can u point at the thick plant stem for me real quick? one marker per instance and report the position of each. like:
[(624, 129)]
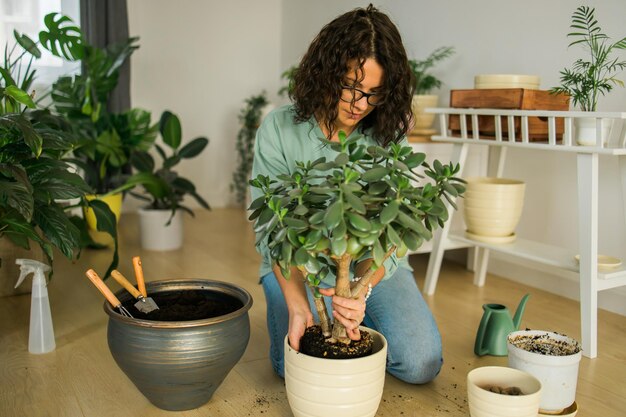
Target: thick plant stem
[(320, 307), (342, 289), (361, 287)]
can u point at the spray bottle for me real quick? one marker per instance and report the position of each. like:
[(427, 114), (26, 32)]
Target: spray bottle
[(41, 334)]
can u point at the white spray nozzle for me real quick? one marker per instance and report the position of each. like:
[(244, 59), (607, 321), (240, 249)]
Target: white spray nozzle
[(30, 266)]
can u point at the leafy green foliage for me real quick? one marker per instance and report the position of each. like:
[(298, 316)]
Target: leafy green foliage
[(588, 79), (106, 139), (288, 75), (424, 81), (36, 178), (368, 202), (250, 119), (162, 187)]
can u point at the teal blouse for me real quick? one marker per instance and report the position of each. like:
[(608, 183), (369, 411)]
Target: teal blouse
[(280, 142)]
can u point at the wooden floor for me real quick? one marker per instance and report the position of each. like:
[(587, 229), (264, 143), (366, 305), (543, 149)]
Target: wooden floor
[(80, 378)]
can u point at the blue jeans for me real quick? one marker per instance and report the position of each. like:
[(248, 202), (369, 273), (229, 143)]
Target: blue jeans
[(395, 308)]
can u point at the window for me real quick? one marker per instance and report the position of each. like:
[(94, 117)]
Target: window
[(26, 16)]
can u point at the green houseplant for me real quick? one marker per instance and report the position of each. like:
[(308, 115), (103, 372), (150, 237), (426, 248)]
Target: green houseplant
[(425, 82), (250, 119), (163, 188), (593, 76), (36, 179), (365, 204), (106, 139)]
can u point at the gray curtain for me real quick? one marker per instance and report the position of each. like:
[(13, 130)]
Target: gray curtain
[(104, 22)]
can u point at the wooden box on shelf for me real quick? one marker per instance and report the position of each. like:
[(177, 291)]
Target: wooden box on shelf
[(510, 99)]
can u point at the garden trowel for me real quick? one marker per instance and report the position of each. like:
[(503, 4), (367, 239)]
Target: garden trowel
[(143, 304)]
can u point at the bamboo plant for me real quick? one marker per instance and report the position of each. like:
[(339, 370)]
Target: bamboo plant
[(369, 202)]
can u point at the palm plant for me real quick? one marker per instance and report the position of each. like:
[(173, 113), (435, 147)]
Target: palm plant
[(365, 204), (425, 81), (595, 76)]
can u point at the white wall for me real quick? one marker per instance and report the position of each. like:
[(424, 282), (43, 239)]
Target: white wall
[(201, 59), (237, 48)]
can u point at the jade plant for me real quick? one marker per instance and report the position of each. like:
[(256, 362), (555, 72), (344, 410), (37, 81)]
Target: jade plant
[(367, 203), (594, 76)]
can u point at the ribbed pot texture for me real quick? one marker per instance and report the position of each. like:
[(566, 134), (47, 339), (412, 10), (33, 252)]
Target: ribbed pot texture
[(318, 387), (179, 365)]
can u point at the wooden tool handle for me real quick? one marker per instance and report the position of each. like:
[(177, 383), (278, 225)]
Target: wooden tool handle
[(141, 283), (102, 287), (121, 279)]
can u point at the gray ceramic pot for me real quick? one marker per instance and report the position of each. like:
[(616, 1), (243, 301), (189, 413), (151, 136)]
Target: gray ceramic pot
[(179, 365)]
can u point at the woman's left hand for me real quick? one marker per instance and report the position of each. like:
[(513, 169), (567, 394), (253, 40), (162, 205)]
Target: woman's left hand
[(348, 311)]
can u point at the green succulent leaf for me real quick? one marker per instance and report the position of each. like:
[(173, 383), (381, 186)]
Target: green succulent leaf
[(333, 215), (389, 212)]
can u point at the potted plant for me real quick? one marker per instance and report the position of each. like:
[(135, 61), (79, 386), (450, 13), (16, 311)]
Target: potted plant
[(553, 359), (163, 188), (594, 76), (425, 82), (250, 118), (36, 179), (367, 203), (105, 139), (288, 75)]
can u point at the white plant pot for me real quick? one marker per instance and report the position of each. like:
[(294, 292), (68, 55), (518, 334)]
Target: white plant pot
[(558, 374), (156, 234), (586, 131), (318, 387), (423, 121), (493, 206)]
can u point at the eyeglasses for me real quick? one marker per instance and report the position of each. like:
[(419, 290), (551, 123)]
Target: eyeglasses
[(351, 95)]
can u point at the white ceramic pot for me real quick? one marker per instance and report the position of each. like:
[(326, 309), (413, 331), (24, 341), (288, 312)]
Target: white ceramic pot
[(586, 131), (318, 387), (484, 403), (423, 121), (156, 234), (493, 206), (558, 374)]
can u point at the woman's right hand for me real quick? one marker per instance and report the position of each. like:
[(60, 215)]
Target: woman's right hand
[(299, 320)]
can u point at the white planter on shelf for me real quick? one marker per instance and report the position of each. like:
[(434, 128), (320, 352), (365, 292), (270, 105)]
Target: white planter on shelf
[(558, 374), (156, 234), (423, 121), (318, 387), (586, 131)]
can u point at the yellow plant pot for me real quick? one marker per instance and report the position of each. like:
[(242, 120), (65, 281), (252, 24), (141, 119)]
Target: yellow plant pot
[(114, 201)]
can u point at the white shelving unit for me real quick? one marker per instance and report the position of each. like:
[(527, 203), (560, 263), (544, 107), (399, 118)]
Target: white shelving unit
[(591, 280)]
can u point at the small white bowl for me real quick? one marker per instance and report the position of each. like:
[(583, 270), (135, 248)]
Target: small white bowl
[(484, 403)]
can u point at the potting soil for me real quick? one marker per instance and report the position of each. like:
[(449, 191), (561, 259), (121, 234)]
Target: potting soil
[(187, 305), (313, 343)]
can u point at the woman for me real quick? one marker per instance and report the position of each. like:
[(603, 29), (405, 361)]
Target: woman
[(353, 78)]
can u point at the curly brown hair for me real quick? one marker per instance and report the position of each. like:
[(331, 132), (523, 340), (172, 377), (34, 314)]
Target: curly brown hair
[(357, 35)]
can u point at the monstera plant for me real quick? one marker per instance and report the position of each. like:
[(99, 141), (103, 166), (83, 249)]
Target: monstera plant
[(106, 139), (369, 202)]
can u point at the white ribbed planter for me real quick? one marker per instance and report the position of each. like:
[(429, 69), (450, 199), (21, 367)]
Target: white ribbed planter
[(155, 234), (319, 387)]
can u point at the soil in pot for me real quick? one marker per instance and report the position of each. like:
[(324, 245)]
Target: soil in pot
[(543, 344), (313, 343), (187, 305)]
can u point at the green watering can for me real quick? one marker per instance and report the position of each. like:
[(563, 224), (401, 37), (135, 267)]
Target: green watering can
[(495, 326)]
